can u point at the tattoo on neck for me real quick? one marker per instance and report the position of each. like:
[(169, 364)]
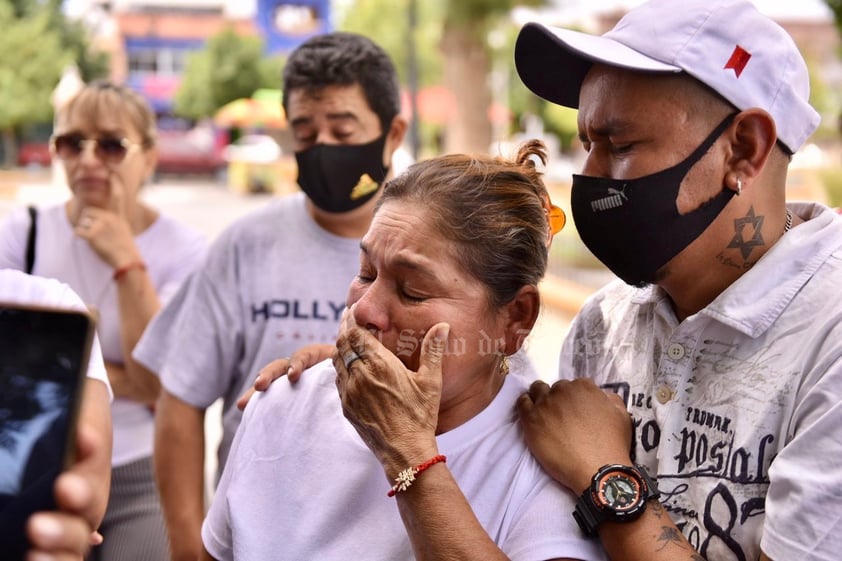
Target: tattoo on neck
[(747, 234)]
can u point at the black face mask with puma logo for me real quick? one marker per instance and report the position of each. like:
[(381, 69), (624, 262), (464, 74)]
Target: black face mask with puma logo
[(633, 225)]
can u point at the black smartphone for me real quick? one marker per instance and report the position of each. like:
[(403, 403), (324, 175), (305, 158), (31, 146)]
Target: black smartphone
[(43, 365)]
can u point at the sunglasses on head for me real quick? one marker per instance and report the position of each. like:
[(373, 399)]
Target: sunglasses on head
[(109, 149)]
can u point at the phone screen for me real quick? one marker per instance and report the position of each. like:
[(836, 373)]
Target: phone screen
[(43, 363)]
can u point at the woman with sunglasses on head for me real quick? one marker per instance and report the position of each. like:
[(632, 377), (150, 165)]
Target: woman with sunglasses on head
[(124, 259)]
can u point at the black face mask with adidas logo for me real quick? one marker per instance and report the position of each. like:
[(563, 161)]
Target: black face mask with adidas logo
[(342, 177), (633, 225)]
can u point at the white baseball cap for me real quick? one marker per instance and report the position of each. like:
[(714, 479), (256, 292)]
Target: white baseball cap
[(726, 44)]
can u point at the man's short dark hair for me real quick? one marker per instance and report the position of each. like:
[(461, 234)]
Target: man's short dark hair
[(344, 59)]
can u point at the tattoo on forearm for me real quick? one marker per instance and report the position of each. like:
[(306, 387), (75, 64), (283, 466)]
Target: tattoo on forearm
[(670, 535)]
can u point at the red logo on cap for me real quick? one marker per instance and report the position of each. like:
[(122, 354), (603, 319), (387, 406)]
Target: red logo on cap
[(739, 59)]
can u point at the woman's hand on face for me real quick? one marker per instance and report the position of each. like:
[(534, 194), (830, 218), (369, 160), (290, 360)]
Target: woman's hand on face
[(109, 235), (573, 428), (394, 410), (291, 367), (108, 230)]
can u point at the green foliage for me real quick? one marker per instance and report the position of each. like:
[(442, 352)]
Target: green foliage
[(831, 177), (29, 69), (387, 24), (37, 42), (836, 7), (560, 121), (473, 12), (74, 37), (230, 66)]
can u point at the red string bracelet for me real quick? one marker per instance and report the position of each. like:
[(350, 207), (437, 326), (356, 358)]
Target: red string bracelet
[(118, 273), (407, 476)]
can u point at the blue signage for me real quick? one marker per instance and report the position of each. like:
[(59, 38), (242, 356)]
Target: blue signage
[(285, 24)]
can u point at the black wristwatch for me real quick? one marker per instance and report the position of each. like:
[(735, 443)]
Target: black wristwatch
[(617, 493)]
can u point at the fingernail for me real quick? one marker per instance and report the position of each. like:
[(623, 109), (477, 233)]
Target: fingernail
[(442, 333), (46, 527)]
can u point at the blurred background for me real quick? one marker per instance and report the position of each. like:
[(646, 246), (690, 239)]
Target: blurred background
[(211, 70)]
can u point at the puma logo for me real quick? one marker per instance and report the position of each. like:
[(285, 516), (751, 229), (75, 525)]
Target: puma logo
[(614, 200)]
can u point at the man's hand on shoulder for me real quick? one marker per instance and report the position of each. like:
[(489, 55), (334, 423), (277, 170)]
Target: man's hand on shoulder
[(291, 367)]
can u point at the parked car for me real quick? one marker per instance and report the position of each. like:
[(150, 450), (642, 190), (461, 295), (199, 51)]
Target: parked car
[(34, 145), (257, 164), (253, 149), (192, 151), (34, 154)]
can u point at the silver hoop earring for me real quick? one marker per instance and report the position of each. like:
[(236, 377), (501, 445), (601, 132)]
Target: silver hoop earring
[(739, 186)]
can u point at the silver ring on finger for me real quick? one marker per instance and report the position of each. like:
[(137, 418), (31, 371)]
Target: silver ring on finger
[(349, 358)]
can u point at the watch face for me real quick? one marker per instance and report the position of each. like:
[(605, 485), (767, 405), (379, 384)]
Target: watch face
[(618, 490)]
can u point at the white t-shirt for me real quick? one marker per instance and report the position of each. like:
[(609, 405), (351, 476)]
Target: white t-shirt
[(301, 484), (20, 288), (737, 408), (169, 249)]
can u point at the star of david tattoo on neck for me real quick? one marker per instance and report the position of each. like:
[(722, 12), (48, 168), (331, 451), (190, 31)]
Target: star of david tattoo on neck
[(739, 241)]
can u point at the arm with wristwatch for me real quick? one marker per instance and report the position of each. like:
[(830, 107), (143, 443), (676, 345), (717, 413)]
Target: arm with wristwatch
[(582, 441), (580, 434)]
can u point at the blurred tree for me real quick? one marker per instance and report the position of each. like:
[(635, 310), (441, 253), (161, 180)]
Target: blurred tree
[(467, 66), (92, 64), (230, 66), (836, 7), (560, 121), (453, 50), (30, 69), (387, 22)]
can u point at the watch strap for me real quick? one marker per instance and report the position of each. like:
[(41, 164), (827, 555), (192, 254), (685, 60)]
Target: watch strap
[(587, 514), (652, 491)]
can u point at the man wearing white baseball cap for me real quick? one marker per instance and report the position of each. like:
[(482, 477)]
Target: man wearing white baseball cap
[(722, 336)]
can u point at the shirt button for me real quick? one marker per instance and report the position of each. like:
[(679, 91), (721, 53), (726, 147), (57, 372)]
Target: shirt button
[(664, 394), (675, 351)]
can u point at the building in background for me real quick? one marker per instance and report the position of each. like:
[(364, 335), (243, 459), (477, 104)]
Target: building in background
[(148, 40)]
